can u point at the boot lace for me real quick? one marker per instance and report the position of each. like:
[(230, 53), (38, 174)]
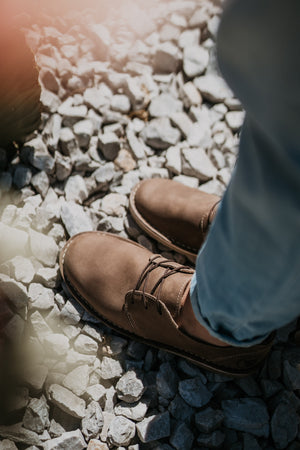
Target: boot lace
[(154, 263)]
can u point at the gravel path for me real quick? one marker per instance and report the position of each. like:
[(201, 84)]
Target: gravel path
[(134, 96)]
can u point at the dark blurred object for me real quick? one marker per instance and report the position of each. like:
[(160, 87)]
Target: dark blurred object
[(19, 88), (296, 334), (7, 361)]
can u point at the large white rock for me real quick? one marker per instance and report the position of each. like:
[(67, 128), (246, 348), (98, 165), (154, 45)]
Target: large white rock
[(67, 441), (67, 401), (75, 219), (12, 242), (77, 380), (43, 247), (196, 163), (195, 60), (213, 88)]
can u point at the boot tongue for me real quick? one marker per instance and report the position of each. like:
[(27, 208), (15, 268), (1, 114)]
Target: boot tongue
[(171, 290)]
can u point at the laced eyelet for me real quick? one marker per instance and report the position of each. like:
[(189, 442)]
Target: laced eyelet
[(170, 268)]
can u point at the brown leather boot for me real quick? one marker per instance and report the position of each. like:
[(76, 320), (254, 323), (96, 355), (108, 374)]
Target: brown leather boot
[(141, 295), (174, 214)]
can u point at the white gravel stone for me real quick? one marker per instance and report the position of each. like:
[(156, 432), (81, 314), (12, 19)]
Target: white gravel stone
[(233, 104), (14, 329), (173, 160), (75, 219), (18, 433), (224, 175), (121, 431), (196, 163), (63, 167), (167, 58), (39, 325), (70, 315), (75, 189), (189, 38), (182, 121), (164, 105), (132, 87), (195, 60), (92, 423), (36, 417), (13, 242), (50, 101), (77, 380), (159, 134), (130, 387), (43, 247), (8, 214), (41, 183), (86, 345), (134, 411), (6, 444), (192, 182), (52, 130), (110, 368), (93, 332), (169, 32), (69, 440), (35, 376), (104, 174), (15, 291), (83, 130), (213, 26), (67, 141), (74, 358), (235, 119), (120, 103), (40, 297), (109, 144), (67, 401), (136, 145), (72, 114), (213, 88), (56, 344), (94, 99), (190, 95), (200, 134), (114, 204), (22, 269), (96, 392), (47, 277)]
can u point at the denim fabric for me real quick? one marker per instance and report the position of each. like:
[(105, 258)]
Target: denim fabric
[(247, 280)]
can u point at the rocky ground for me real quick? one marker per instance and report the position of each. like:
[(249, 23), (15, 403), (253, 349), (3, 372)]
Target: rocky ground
[(130, 96)]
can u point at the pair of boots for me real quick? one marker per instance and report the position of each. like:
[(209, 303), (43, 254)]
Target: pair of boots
[(146, 296)]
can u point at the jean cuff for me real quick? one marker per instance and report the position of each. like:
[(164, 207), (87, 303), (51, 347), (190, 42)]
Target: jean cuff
[(228, 338)]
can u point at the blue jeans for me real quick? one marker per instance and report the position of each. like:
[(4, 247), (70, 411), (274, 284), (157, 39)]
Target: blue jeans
[(247, 279)]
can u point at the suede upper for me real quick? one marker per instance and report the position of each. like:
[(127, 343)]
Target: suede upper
[(174, 212), (141, 295)]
